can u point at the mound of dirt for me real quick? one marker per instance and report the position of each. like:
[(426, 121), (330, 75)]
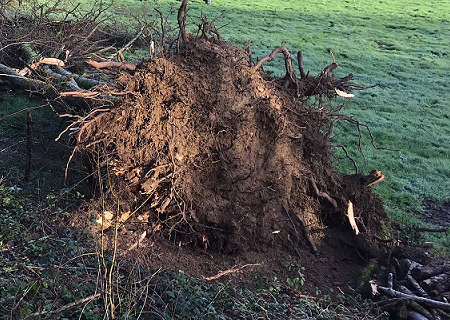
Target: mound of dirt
[(215, 153)]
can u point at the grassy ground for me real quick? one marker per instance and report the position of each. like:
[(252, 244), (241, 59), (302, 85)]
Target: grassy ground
[(400, 45)]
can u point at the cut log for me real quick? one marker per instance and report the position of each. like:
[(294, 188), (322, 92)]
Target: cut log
[(424, 272), (414, 315), (415, 285), (439, 282), (421, 310)]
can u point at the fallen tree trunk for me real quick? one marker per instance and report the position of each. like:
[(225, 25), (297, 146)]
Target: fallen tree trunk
[(21, 82), (424, 272)]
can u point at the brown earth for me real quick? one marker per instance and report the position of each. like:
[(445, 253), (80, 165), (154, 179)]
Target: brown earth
[(434, 212), (216, 161)]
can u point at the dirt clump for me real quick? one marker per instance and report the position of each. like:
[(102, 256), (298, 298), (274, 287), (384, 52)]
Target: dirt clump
[(207, 151)]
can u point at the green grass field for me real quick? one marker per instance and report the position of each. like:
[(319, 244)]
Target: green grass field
[(401, 45)]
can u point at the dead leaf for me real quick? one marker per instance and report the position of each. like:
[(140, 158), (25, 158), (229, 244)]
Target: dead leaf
[(104, 220), (124, 216)]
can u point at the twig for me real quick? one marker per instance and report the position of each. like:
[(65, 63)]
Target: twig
[(328, 69), (380, 177), (138, 242), (66, 307), (230, 271), (163, 30), (358, 125), (79, 94), (22, 110), (247, 45), (130, 43)]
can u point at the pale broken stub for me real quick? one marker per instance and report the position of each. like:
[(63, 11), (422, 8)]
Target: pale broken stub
[(344, 94), (351, 217)]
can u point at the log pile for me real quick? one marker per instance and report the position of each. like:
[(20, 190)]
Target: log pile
[(415, 291)]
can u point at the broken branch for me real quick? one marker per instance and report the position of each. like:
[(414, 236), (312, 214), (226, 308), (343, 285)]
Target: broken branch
[(111, 64), (426, 301), (66, 307), (230, 271), (79, 94)]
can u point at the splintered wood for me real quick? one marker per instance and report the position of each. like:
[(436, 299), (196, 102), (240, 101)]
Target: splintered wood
[(351, 217)]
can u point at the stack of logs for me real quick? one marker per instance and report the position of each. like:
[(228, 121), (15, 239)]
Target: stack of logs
[(415, 291)]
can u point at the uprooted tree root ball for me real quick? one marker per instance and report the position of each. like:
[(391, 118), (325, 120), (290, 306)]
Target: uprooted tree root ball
[(213, 152)]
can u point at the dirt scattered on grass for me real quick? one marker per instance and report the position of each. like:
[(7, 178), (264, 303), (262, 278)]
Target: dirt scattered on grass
[(434, 212), (215, 160)]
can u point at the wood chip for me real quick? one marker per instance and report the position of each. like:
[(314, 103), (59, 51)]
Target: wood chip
[(344, 94)]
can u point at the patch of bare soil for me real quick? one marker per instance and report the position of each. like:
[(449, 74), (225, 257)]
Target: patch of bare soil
[(217, 165), (437, 213)]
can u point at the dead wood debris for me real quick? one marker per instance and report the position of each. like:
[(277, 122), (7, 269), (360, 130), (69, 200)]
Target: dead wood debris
[(65, 307), (423, 290)]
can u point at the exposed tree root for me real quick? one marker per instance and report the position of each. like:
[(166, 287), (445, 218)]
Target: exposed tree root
[(324, 195)]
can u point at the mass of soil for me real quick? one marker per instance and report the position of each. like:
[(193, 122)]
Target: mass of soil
[(212, 163)]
